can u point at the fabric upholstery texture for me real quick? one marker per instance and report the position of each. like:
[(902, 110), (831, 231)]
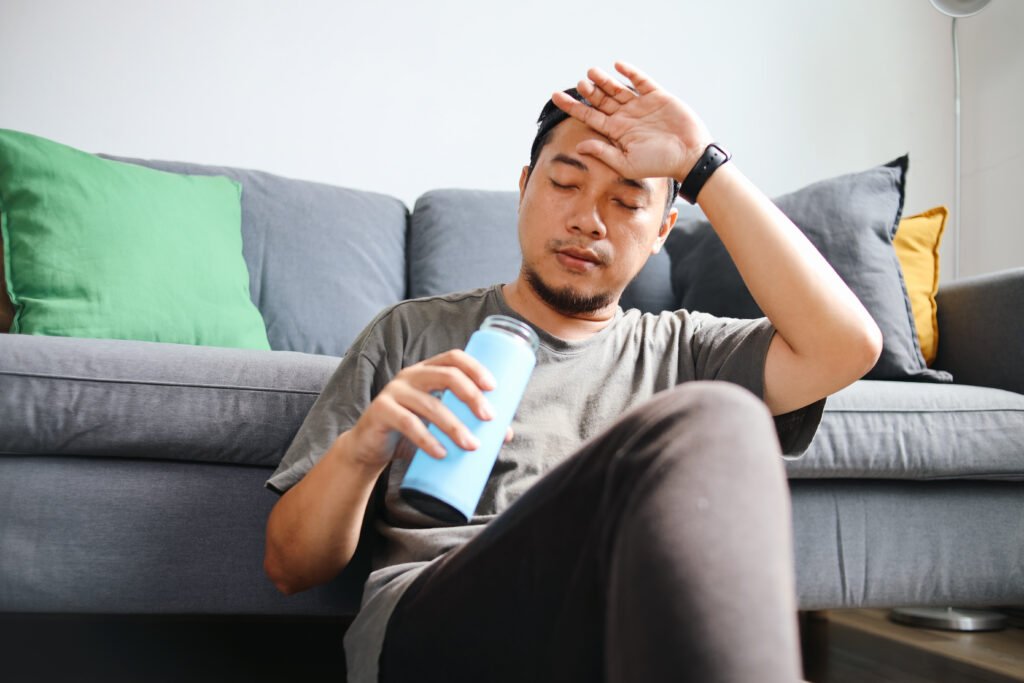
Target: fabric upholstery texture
[(97, 248), (876, 543), (917, 243), (910, 430), (461, 240), (125, 536), (851, 220), (323, 260), (981, 328), (132, 399)]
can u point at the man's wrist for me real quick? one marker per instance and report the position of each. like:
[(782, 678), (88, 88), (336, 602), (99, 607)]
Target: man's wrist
[(694, 154), (343, 451), (712, 157)]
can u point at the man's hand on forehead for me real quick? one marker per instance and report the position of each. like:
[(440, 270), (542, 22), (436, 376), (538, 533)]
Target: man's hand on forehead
[(653, 134)]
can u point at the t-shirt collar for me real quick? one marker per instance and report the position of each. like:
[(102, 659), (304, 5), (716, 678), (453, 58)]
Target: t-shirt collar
[(549, 341)]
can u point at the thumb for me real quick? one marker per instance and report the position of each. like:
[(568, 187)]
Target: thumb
[(609, 154), (508, 435)]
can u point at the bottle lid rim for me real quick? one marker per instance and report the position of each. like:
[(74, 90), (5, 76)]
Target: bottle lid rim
[(517, 328)]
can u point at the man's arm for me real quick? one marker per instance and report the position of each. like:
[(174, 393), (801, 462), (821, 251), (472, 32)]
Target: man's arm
[(825, 338), (313, 530)]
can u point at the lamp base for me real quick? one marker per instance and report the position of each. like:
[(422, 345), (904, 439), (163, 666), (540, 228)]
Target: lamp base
[(949, 618)]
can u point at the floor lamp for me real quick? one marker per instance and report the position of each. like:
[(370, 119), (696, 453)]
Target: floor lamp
[(957, 9), (951, 618)]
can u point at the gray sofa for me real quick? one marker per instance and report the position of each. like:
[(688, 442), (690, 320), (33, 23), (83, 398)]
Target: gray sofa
[(133, 472)]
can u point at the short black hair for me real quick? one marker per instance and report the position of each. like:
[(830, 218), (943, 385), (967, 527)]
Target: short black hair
[(551, 116)]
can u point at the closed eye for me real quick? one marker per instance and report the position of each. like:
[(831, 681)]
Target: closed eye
[(628, 206), (563, 187)]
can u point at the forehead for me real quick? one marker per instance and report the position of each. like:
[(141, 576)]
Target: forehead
[(566, 135), (564, 138)]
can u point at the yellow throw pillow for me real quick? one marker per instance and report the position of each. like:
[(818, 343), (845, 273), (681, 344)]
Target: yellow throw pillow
[(917, 247), (6, 307)]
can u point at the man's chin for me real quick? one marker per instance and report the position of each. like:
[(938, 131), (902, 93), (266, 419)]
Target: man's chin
[(566, 299)]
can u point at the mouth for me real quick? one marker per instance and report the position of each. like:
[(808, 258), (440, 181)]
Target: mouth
[(579, 260)]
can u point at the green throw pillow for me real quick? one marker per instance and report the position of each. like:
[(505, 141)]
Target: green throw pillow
[(99, 248)]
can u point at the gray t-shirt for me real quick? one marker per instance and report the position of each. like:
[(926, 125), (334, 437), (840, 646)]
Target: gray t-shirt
[(577, 389)]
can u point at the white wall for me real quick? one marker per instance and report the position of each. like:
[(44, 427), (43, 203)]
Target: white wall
[(992, 138), (406, 96)]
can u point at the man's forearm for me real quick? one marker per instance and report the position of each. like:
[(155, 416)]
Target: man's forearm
[(314, 528), (807, 302)]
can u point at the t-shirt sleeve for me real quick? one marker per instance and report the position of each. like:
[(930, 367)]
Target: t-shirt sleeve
[(346, 395), (735, 350)]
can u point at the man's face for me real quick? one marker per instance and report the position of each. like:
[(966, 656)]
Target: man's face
[(585, 231)]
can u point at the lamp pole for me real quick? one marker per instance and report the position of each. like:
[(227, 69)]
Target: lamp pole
[(957, 9), (956, 155)]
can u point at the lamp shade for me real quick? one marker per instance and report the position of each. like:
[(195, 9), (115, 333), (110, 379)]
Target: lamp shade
[(960, 8)]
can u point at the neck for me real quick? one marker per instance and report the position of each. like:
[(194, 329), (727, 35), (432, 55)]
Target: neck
[(524, 301)]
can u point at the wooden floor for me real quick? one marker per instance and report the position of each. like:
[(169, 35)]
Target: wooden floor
[(844, 646)]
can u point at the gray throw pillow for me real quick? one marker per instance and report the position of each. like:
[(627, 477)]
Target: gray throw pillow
[(851, 219), (323, 260)]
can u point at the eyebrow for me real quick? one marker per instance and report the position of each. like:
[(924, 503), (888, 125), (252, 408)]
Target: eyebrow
[(576, 163)]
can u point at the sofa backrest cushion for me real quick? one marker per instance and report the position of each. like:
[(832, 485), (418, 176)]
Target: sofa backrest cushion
[(323, 260), (464, 239)]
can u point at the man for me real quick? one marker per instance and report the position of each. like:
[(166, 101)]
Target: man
[(636, 525)]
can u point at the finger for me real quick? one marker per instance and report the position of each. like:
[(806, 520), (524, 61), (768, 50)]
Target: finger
[(641, 81), (508, 435), (469, 365), (435, 412), (611, 87), (581, 112), (429, 378), (597, 97), (405, 422), (608, 154)]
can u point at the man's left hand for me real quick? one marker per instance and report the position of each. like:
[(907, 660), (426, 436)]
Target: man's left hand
[(652, 133)]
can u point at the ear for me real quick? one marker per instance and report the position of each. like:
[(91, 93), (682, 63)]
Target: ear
[(666, 227), (522, 182)]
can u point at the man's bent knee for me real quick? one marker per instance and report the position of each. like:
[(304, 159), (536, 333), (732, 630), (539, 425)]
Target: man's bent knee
[(722, 415)]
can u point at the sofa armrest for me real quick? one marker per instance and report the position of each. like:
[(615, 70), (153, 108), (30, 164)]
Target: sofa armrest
[(113, 397), (981, 330)]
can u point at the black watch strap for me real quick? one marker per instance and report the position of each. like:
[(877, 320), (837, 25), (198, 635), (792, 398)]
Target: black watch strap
[(713, 157)]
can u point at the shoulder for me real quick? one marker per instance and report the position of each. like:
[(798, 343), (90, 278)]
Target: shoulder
[(685, 328), (414, 316), (414, 329), (662, 325)]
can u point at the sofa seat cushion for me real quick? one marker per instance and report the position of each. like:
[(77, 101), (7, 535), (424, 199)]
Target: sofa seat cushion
[(151, 400), (908, 430)]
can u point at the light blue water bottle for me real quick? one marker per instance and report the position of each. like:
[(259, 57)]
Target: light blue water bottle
[(450, 488)]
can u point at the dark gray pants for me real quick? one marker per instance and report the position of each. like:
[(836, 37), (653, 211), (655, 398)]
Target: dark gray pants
[(660, 551)]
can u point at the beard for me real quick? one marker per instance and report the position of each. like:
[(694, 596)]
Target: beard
[(566, 300)]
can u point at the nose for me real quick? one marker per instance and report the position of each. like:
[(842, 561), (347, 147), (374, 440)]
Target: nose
[(585, 219)]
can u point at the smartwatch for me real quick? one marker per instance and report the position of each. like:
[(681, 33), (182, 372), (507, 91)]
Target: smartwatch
[(713, 157)]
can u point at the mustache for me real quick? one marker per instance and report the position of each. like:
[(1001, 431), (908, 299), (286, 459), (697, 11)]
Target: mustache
[(603, 257)]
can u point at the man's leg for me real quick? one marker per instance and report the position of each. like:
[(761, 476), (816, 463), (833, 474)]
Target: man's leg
[(660, 551)]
